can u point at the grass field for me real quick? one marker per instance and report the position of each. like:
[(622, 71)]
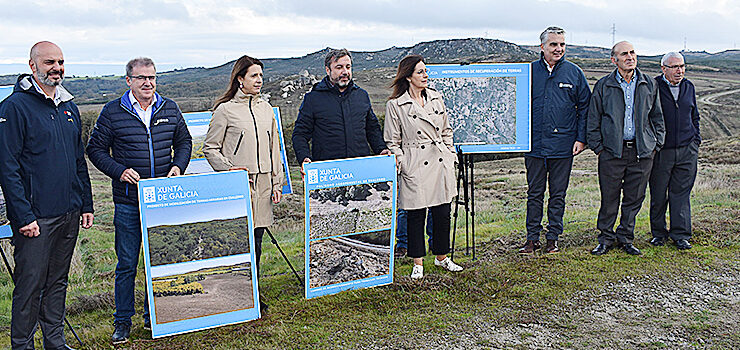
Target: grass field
[(664, 298)]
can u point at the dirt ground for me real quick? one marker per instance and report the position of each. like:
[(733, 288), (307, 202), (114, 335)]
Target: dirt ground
[(221, 293)]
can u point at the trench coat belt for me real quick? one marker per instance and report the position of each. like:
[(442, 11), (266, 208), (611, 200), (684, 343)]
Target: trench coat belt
[(415, 144)]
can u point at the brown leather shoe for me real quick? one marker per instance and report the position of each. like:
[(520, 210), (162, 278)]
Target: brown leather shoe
[(400, 252), (529, 247), (551, 247)]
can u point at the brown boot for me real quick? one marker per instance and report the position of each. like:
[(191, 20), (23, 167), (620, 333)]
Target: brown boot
[(551, 247), (529, 247)]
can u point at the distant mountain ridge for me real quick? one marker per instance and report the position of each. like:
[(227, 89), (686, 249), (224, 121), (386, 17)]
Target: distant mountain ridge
[(208, 83)]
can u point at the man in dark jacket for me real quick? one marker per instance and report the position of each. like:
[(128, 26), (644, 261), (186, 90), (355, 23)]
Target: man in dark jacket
[(560, 97), (134, 138), (625, 128), (674, 167), (44, 177), (336, 117)]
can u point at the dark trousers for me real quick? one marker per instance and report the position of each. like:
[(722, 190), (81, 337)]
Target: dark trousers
[(40, 277), (556, 174), (259, 232), (440, 230), (128, 244), (627, 176), (671, 181)]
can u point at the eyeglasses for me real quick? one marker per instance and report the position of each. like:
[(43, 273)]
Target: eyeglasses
[(682, 66), (144, 77)]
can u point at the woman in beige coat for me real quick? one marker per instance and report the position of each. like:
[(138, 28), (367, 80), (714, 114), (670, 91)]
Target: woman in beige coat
[(418, 132), (243, 135)]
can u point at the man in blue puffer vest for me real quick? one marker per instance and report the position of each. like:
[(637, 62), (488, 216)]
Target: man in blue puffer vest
[(134, 138), (43, 174), (560, 98), (674, 166)]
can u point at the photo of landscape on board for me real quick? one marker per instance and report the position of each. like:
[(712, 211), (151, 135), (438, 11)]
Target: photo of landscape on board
[(170, 244), (203, 292), (481, 110), (350, 232)]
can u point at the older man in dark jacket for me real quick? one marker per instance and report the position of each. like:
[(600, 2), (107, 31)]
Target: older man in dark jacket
[(625, 128), (560, 97), (674, 167), (134, 138), (336, 117)]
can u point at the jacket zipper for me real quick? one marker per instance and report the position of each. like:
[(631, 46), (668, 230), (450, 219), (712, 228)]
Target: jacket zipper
[(58, 130), (256, 134), (239, 142)]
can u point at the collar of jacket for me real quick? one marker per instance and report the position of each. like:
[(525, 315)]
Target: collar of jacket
[(613, 82), (129, 106), (325, 85), (24, 84), (660, 79), (241, 97), (406, 97), (545, 65)]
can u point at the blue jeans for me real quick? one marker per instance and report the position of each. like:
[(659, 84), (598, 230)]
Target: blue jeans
[(402, 235), (128, 244)]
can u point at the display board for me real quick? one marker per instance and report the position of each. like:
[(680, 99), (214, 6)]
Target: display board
[(198, 126), (488, 105), (198, 251), (5, 231), (349, 223)]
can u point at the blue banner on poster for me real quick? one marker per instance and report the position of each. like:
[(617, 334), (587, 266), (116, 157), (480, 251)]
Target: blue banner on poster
[(5, 231), (350, 224), (198, 251), (198, 126), (488, 105)]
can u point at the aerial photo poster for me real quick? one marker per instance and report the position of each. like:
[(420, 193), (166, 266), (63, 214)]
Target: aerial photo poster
[(198, 126), (5, 231), (198, 251), (350, 218), (488, 105)]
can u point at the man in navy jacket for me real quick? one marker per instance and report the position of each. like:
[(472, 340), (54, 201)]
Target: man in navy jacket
[(134, 138), (560, 97), (44, 177), (336, 117), (674, 166)]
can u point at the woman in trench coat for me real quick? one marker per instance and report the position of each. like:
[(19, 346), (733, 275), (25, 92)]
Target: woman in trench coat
[(243, 135), (418, 132)]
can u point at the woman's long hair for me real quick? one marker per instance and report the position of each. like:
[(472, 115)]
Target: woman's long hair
[(240, 69), (405, 69)]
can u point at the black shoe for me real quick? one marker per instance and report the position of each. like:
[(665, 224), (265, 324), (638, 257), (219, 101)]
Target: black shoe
[(602, 249), (630, 249), (683, 244), (657, 241), (263, 307), (121, 333), (64, 347), (147, 324)]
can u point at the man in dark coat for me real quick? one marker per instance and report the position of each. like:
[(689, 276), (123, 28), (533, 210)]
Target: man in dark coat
[(624, 128), (674, 167), (43, 174), (336, 117), (560, 97), (135, 138)]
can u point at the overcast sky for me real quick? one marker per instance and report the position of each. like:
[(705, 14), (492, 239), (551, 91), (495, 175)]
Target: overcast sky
[(211, 32)]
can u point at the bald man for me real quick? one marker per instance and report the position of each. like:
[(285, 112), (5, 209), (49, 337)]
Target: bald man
[(44, 177), (624, 128)]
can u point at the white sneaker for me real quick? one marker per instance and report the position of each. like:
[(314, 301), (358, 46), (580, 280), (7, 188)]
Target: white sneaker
[(417, 272), (448, 264)]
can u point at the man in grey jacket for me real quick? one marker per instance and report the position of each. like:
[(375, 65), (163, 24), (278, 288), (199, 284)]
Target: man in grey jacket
[(624, 128)]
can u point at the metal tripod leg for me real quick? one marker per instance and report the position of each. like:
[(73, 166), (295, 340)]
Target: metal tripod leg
[(10, 272), (460, 172), (274, 241)]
